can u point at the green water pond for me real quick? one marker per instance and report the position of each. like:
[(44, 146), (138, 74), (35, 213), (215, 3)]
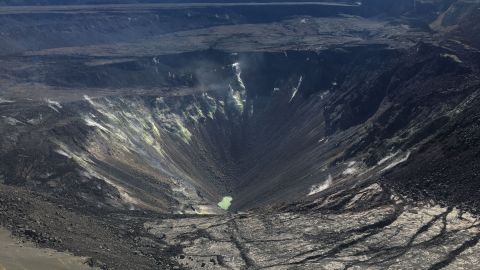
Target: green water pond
[(225, 202)]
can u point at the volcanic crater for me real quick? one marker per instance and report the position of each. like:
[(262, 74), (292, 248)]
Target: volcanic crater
[(171, 136)]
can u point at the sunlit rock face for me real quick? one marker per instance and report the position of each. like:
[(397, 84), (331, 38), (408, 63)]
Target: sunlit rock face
[(167, 153), (371, 230)]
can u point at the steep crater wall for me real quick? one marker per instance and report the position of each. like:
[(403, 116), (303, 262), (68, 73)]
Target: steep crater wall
[(263, 128)]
